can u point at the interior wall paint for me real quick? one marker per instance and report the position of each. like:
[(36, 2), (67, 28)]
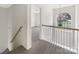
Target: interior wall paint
[(47, 19), (47, 12), (9, 13), (32, 15), (18, 18), (29, 28), (5, 5), (77, 26), (35, 15), (3, 29), (47, 15)]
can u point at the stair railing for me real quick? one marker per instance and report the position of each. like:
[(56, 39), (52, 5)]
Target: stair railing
[(16, 33)]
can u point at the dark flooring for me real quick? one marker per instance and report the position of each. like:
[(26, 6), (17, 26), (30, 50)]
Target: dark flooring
[(40, 47)]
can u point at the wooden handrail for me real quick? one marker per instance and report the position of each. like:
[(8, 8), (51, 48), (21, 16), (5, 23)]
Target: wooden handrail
[(61, 27), (16, 33)]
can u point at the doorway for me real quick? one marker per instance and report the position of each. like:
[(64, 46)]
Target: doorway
[(35, 22)]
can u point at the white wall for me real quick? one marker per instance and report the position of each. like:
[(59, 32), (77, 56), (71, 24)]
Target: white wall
[(18, 16), (3, 29), (35, 15), (29, 29), (11, 18), (47, 13), (5, 5), (77, 26), (47, 19)]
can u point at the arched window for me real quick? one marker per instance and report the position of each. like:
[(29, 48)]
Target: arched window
[(63, 17)]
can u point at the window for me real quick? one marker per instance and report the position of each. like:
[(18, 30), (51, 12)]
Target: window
[(64, 19)]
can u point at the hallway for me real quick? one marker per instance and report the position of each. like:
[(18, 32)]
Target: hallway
[(40, 47)]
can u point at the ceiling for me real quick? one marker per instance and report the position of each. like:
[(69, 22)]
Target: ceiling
[(5, 5)]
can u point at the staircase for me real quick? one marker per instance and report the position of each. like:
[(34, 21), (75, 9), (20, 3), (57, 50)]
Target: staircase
[(6, 51), (18, 50)]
